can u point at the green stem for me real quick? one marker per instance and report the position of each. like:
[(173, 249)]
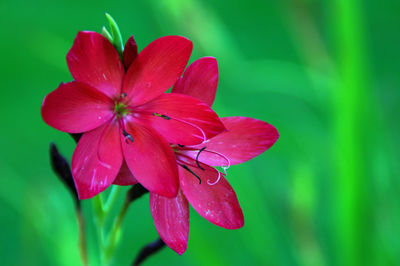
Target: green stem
[(82, 236), (113, 236), (108, 240), (111, 199), (352, 94), (99, 225)]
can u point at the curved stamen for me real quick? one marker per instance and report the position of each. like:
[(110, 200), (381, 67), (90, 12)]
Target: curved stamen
[(190, 171), (216, 181), (166, 117), (225, 167), (197, 158)]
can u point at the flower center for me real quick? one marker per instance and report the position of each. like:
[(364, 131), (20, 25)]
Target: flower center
[(120, 109)]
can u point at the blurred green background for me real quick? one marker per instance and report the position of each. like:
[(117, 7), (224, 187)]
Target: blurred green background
[(325, 73)]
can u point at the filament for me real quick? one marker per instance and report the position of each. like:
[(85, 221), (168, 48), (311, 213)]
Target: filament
[(128, 137), (216, 181), (190, 171), (166, 117), (225, 167), (197, 158)]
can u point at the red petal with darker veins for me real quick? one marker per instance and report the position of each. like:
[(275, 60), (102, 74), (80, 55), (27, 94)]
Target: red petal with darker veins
[(130, 52), (216, 203), (200, 80), (150, 159), (93, 60), (97, 160), (76, 107), (171, 218), (156, 68), (190, 120), (245, 139)]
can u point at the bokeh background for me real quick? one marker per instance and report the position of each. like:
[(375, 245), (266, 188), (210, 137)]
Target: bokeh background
[(325, 73)]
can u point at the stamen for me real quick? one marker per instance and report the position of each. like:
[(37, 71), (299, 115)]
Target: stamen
[(180, 145), (197, 158), (127, 136), (162, 116), (123, 95), (182, 121), (225, 167), (216, 181), (190, 171)]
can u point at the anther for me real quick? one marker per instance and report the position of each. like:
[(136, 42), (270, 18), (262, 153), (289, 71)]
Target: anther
[(162, 116), (128, 137), (190, 171), (197, 158), (123, 95), (180, 145)]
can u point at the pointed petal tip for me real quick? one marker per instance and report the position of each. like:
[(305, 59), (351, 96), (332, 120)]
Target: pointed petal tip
[(171, 219), (180, 249), (233, 225)]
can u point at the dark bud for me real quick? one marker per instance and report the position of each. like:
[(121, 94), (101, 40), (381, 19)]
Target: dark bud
[(135, 192), (148, 251), (62, 169)]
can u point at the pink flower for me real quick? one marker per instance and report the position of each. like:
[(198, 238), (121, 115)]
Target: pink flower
[(127, 119), (201, 185)]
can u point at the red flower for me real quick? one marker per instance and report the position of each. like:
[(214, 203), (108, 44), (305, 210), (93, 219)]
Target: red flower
[(127, 118), (205, 188)]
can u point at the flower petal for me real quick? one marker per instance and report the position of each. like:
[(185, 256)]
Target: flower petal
[(130, 52), (217, 203), (186, 120), (245, 139), (200, 80), (150, 159), (93, 60), (156, 68), (171, 218), (125, 177), (76, 107), (97, 160)]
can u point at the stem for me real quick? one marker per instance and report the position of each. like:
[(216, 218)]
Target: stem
[(82, 236), (113, 236), (352, 94), (111, 199), (109, 241), (99, 224)]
